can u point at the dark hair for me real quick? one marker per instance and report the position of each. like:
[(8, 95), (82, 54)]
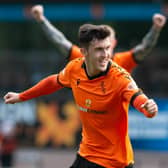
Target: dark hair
[(88, 32)]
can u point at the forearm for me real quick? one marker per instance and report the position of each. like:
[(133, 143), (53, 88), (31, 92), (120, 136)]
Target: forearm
[(57, 37), (147, 44), (46, 86), (138, 102)]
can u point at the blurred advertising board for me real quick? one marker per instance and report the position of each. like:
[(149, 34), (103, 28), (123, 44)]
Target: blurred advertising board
[(19, 112), (55, 124)]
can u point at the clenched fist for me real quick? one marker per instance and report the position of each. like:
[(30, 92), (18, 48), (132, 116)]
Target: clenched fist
[(159, 20), (37, 12), (151, 108), (11, 98)]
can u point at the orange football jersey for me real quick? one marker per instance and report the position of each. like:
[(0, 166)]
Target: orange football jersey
[(124, 59), (103, 103)]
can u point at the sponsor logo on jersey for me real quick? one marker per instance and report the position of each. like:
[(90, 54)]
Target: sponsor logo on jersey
[(88, 102)]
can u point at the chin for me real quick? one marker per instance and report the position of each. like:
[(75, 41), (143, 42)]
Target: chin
[(103, 68)]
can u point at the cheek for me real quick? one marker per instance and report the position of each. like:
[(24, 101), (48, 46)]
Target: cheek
[(111, 53), (95, 54), (111, 56)]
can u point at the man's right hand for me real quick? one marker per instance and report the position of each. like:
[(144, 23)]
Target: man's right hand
[(37, 12), (11, 98)]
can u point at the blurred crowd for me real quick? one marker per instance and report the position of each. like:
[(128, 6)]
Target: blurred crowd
[(19, 72)]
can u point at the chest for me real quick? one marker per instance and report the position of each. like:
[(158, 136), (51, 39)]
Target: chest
[(98, 95)]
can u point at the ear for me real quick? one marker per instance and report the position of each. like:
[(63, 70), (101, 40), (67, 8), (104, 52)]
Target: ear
[(83, 51), (114, 43)]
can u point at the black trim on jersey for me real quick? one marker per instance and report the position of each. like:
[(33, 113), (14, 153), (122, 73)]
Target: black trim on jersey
[(98, 75), (60, 82), (134, 96)]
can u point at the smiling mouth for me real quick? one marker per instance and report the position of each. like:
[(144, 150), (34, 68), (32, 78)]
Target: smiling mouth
[(103, 62)]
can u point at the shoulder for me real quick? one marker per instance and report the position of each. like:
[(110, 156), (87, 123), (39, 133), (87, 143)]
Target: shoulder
[(121, 78), (70, 71), (75, 64), (119, 72)]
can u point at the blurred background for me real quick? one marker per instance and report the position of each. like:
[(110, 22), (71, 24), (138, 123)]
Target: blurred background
[(45, 132)]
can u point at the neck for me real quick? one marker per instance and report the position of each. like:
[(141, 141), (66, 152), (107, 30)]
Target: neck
[(91, 71), (92, 74)]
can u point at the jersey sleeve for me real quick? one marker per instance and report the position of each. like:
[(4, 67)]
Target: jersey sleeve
[(129, 89), (75, 53), (64, 77), (125, 60)]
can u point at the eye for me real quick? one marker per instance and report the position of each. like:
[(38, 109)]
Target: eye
[(108, 47), (99, 49)]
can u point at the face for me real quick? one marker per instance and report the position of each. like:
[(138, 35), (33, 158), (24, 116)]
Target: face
[(97, 55)]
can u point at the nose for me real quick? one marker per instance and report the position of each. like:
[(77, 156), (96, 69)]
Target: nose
[(105, 53)]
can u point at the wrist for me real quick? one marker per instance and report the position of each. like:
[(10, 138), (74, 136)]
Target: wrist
[(41, 19), (156, 28), (21, 97)]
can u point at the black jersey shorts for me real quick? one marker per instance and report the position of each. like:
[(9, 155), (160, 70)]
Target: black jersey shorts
[(81, 162)]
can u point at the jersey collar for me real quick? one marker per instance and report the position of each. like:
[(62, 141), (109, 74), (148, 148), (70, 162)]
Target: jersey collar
[(98, 75)]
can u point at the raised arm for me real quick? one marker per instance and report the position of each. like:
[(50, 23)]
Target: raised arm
[(149, 41), (53, 34)]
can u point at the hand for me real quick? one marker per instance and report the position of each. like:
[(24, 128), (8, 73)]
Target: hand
[(151, 107), (37, 12), (11, 98), (159, 20)]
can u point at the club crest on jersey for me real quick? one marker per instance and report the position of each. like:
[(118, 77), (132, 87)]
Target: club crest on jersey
[(132, 85), (88, 102)]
